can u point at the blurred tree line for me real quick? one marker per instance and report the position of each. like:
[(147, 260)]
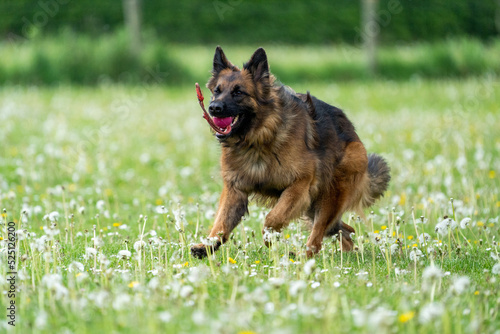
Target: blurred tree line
[(259, 21)]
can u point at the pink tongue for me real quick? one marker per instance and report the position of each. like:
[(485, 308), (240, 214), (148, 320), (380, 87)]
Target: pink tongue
[(223, 122)]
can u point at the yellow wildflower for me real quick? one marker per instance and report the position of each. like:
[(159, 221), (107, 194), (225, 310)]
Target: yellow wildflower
[(233, 261), (132, 284), (405, 317), (491, 174), (410, 237), (402, 201)]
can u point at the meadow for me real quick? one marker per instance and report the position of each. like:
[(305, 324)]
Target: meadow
[(108, 186)]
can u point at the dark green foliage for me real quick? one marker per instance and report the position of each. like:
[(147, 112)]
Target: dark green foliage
[(258, 22)]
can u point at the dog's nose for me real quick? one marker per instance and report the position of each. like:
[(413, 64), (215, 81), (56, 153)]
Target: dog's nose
[(215, 108)]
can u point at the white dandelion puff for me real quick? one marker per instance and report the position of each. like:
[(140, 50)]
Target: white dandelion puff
[(53, 216), (430, 312), (296, 287), (124, 254), (138, 245), (460, 284), (165, 316), (100, 205), (76, 266), (309, 267), (432, 273), (464, 223)]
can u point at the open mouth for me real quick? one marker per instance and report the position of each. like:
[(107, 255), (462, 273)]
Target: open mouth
[(222, 125), (225, 124)]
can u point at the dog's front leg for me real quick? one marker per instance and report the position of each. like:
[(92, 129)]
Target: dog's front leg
[(233, 205), (292, 202)]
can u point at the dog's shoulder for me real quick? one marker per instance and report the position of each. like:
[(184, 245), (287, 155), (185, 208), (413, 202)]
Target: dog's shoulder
[(330, 120)]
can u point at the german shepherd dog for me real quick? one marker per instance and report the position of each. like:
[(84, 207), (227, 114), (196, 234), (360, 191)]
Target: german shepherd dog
[(292, 152)]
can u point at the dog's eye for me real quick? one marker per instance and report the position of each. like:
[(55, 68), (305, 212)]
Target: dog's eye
[(237, 92), (217, 90)]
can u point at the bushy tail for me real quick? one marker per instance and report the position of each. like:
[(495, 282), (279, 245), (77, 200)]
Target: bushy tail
[(378, 179)]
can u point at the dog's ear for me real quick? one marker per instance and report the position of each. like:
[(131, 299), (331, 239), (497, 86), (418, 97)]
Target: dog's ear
[(258, 65), (220, 61)]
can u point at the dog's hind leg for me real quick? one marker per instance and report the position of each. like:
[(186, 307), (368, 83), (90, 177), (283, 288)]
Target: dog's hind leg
[(335, 228), (329, 210), (232, 206)]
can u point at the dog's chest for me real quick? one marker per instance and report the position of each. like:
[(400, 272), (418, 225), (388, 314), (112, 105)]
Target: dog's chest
[(259, 172)]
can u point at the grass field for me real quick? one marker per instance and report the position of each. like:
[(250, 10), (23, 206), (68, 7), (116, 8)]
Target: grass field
[(108, 187)]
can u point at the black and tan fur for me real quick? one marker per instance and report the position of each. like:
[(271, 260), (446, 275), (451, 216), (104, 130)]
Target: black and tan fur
[(293, 152)]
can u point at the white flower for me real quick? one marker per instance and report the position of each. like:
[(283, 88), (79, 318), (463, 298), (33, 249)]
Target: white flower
[(464, 223), (121, 301), (89, 252), (99, 298), (53, 282), (41, 320), (165, 316), (82, 277), (277, 281), (394, 248), (415, 254), (198, 318), (445, 225), (161, 209), (37, 210), (359, 317), (20, 235), (296, 287), (186, 291), (139, 244), (362, 275), (430, 312), (51, 231), (100, 205), (76, 266), (460, 284), (315, 285), (81, 210), (441, 228), (53, 216), (381, 318), (496, 269), (269, 308), (270, 234), (421, 220), (198, 274), (209, 241), (424, 237), (124, 254), (309, 267), (432, 273)]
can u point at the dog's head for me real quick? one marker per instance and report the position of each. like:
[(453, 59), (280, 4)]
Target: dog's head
[(238, 95)]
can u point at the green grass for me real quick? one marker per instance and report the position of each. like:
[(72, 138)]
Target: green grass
[(106, 159), (52, 60)]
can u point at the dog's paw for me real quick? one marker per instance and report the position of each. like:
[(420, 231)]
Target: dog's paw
[(199, 251)]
